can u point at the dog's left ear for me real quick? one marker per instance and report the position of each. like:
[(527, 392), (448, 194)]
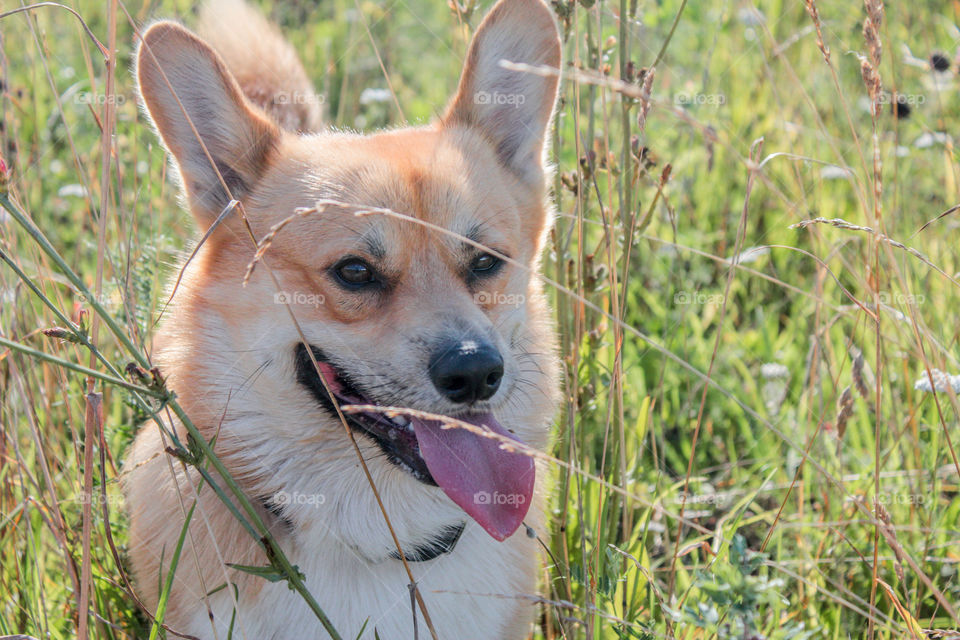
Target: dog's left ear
[(217, 137), (512, 109)]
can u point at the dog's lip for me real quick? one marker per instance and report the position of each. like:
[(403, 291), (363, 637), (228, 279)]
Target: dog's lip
[(393, 435)]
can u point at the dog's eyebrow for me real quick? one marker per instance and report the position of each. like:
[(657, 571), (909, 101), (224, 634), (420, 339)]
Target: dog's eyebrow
[(373, 242), (474, 233)]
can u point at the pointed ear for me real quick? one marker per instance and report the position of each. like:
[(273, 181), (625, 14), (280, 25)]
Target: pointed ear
[(512, 109), (192, 99)]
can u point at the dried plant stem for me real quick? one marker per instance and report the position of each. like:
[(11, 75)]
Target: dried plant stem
[(93, 422), (264, 537), (879, 236), (756, 150)]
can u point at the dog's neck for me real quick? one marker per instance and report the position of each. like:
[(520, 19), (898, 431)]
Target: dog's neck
[(441, 543)]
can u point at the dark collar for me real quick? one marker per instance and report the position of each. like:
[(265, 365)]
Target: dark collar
[(443, 542), (276, 510)]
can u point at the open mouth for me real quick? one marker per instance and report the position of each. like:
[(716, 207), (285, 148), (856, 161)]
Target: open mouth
[(394, 436), (492, 483)]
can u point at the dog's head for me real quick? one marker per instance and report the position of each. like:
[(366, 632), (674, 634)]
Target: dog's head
[(412, 284)]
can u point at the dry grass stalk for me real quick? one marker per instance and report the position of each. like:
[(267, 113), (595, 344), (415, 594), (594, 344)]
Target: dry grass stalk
[(645, 93), (870, 70), (840, 223), (875, 11), (884, 516), (815, 16), (871, 79), (845, 406), (872, 36), (858, 381)]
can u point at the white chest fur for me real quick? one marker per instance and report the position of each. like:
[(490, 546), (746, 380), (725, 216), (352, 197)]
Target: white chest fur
[(479, 591)]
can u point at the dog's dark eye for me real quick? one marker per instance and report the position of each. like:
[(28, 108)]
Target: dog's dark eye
[(354, 272), (484, 263)]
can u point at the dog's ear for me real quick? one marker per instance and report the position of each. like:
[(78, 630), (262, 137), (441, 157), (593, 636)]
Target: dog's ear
[(511, 108), (203, 118)]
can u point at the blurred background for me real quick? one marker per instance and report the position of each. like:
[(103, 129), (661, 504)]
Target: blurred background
[(757, 245)]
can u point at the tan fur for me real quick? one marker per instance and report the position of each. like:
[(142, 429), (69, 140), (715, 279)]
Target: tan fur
[(226, 349)]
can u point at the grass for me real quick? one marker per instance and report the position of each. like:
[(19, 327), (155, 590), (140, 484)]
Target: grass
[(744, 450)]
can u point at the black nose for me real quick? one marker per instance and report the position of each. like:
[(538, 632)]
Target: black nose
[(466, 371)]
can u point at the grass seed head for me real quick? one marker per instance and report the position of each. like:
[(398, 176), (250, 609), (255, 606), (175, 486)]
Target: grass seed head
[(845, 410), (871, 79), (815, 16)]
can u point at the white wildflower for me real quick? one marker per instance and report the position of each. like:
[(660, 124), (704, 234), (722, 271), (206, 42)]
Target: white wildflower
[(941, 381)]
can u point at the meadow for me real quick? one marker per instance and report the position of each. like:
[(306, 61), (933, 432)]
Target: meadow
[(753, 269)]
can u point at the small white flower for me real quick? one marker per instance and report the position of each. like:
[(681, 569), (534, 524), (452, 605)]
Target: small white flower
[(941, 382), (929, 139), (774, 370), (749, 255), (833, 172), (373, 94), (74, 190)]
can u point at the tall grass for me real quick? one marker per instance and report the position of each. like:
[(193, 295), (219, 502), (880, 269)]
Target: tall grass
[(755, 286)]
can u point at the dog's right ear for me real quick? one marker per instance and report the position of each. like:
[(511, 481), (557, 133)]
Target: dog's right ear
[(512, 109), (203, 118)]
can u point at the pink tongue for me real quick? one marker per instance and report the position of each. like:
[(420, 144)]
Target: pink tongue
[(492, 485)]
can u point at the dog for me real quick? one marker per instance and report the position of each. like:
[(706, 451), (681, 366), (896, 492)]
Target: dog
[(412, 285)]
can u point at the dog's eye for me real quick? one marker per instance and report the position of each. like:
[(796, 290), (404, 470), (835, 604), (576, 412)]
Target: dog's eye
[(354, 272), (484, 263)]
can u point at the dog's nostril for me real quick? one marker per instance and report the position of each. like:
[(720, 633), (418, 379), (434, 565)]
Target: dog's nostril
[(456, 384), (464, 375)]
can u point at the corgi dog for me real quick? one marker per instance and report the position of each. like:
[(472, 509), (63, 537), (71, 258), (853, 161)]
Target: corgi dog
[(414, 285)]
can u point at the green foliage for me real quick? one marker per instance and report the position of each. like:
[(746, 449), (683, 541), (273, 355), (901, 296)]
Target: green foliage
[(651, 528), (735, 596)]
